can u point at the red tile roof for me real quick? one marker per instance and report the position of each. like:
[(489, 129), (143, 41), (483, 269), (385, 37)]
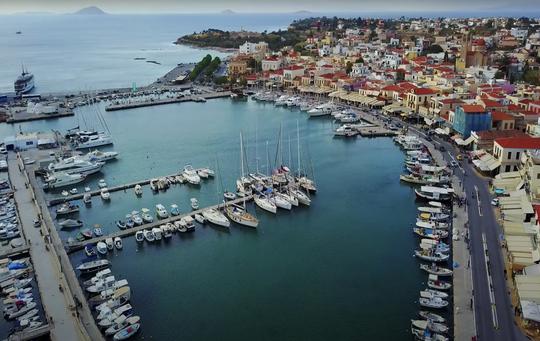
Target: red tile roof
[(519, 142), (501, 116), (491, 104), (423, 91), (294, 67), (472, 108)]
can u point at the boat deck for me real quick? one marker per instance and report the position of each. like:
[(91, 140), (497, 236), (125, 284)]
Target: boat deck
[(130, 231)]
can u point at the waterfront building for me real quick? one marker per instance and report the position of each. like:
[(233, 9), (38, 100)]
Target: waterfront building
[(470, 117), (508, 151)]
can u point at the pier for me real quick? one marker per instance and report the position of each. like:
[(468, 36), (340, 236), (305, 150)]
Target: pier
[(149, 103), (130, 231), (79, 196)]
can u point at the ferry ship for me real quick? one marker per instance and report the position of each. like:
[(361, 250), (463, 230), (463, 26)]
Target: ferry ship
[(24, 83)]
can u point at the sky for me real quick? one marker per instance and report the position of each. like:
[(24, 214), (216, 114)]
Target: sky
[(251, 6)]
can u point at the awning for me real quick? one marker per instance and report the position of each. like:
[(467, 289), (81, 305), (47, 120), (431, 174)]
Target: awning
[(466, 142), (441, 131), (530, 310)]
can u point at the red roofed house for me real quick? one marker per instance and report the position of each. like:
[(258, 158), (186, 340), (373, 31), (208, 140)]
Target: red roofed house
[(509, 150), (502, 121), (534, 106), (271, 63), (290, 73), (419, 97)]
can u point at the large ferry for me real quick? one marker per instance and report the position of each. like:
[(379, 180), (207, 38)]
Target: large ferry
[(24, 83)]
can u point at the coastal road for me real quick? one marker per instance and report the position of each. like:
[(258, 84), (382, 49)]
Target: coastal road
[(493, 310)]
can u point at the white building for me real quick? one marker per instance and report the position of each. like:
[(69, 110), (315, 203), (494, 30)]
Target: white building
[(271, 63), (251, 48)]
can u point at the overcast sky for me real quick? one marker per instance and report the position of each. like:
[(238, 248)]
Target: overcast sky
[(190, 6)]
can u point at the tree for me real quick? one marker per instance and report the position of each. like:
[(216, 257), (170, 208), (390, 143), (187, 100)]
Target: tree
[(360, 60), (445, 56), (348, 68), (499, 74), (509, 23), (433, 49)]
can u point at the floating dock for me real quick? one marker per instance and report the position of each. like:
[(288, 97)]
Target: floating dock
[(149, 103), (130, 231)]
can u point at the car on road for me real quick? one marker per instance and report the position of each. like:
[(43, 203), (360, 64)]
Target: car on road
[(453, 164), (459, 157), (495, 202)]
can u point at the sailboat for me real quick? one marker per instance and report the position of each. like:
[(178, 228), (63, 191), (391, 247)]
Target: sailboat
[(302, 197), (239, 213), (214, 215)]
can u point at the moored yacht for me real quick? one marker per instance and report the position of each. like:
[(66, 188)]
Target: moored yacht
[(24, 83), (216, 217), (75, 165), (61, 179), (191, 175), (240, 215)]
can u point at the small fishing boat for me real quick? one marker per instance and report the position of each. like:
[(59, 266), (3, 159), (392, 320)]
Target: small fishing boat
[(202, 173), (121, 323), (175, 210), (69, 223), (65, 193), (110, 244), (431, 293), (73, 191), (426, 335), (149, 236), (156, 231), (87, 189), (127, 332), (90, 250), (98, 232), (137, 220), (161, 212), (138, 190), (93, 266), (431, 256), (139, 236), (87, 233), (101, 248), (87, 199), (435, 283), (430, 325), (146, 216), (433, 302), (431, 316), (67, 208), (194, 204), (121, 224), (118, 243), (105, 195), (436, 270), (102, 183), (229, 195)]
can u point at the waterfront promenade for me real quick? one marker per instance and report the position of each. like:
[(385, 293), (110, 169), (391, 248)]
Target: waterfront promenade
[(63, 325)]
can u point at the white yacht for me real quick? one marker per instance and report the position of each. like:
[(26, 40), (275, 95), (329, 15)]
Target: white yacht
[(75, 165), (281, 202), (61, 179), (346, 130), (191, 175), (321, 110), (265, 203), (161, 211), (97, 155), (105, 195), (216, 217), (156, 231), (290, 198), (240, 215), (138, 190), (301, 196), (93, 140)]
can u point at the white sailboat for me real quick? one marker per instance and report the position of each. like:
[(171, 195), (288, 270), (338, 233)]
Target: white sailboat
[(216, 217)]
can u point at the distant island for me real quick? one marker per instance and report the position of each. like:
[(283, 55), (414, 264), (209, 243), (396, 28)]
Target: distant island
[(92, 10), (228, 12)]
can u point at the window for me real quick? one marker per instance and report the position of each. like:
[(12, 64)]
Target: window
[(517, 155), (29, 143), (507, 168), (538, 176), (509, 155)]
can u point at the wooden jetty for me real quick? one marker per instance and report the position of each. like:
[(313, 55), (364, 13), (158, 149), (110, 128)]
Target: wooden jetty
[(148, 103), (71, 247)]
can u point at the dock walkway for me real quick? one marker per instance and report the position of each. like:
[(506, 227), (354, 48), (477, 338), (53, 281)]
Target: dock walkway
[(194, 98), (130, 231)]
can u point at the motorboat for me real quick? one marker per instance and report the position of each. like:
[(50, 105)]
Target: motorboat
[(202, 173), (434, 193), (138, 190), (110, 244), (208, 171), (87, 189), (75, 165), (307, 184), (92, 141), (265, 203), (346, 130), (156, 231), (430, 325), (62, 179), (321, 110), (98, 232), (102, 183), (139, 236), (431, 316), (175, 210), (127, 332), (430, 293), (146, 216), (101, 248), (87, 199), (180, 226), (97, 277), (427, 224), (434, 302), (105, 195), (200, 218), (65, 193), (161, 212), (90, 250), (67, 208), (24, 82), (427, 335), (240, 215), (137, 220), (12, 314), (97, 155), (215, 217), (154, 184), (123, 293), (435, 283), (117, 243), (436, 270), (149, 236), (121, 224), (430, 233), (194, 204), (102, 284), (93, 266), (191, 175), (431, 256), (121, 323), (167, 230), (229, 195), (70, 223)]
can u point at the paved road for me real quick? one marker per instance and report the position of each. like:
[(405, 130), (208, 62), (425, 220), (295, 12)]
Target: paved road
[(65, 326), (497, 323)]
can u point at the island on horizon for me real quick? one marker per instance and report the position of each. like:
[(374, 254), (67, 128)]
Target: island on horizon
[(91, 10)]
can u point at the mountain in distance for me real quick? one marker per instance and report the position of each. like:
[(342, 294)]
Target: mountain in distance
[(303, 12), (92, 10), (227, 12)]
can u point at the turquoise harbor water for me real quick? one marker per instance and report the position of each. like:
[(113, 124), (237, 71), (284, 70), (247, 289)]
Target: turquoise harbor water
[(339, 270)]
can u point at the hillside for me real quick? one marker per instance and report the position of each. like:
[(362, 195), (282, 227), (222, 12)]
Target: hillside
[(92, 10)]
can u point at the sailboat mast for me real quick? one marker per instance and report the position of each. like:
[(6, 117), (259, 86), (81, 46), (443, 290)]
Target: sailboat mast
[(298, 145), (241, 157), (267, 160), (290, 157)]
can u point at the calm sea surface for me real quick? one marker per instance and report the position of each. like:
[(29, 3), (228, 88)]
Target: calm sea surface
[(341, 269)]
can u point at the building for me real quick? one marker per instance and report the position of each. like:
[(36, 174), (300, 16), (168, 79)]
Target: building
[(471, 117), (238, 66), (502, 121), (419, 97), (271, 63), (508, 151), (259, 48)]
